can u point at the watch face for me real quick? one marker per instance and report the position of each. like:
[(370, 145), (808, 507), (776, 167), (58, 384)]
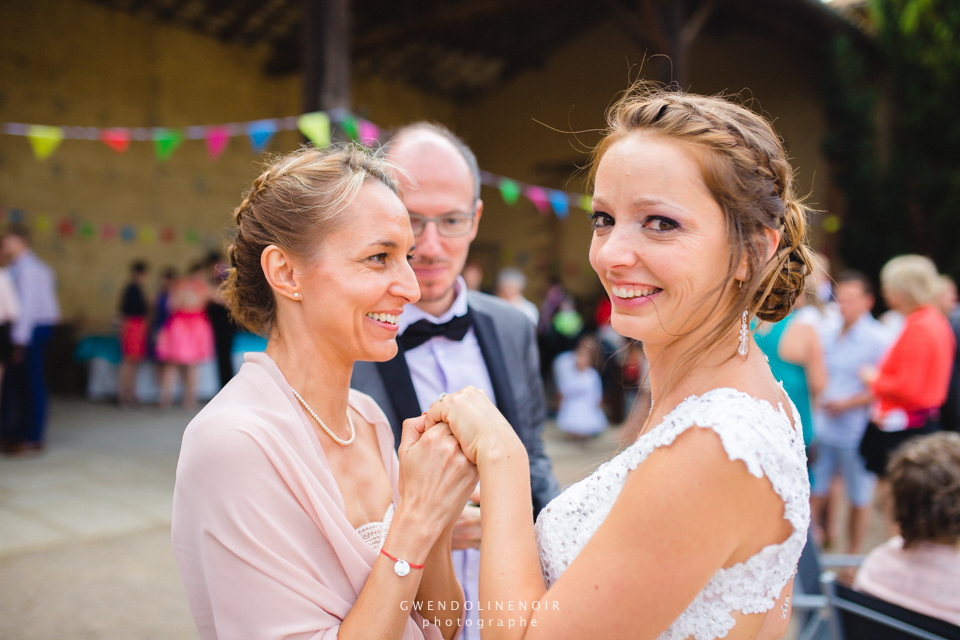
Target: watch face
[(402, 568)]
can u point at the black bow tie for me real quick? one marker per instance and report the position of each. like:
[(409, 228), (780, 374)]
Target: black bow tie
[(422, 330)]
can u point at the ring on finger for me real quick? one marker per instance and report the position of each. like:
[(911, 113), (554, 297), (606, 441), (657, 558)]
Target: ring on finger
[(442, 396)]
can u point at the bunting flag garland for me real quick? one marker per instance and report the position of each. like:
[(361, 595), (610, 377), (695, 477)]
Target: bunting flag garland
[(44, 140), (316, 127), (260, 133)]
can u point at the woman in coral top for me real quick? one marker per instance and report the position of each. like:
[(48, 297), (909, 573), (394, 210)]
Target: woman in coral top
[(911, 383)]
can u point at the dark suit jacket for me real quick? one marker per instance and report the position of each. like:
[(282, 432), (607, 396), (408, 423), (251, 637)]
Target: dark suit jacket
[(508, 342)]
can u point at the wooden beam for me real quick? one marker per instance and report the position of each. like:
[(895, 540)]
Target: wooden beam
[(326, 54), (461, 15)]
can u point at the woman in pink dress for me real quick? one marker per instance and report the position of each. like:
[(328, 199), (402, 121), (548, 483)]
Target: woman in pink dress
[(920, 568), (186, 338), (290, 519)]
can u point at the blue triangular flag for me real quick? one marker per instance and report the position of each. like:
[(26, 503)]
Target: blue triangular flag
[(560, 202), (260, 133)]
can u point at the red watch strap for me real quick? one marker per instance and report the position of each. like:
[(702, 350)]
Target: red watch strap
[(412, 566)]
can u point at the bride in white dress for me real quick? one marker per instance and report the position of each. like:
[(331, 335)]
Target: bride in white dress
[(695, 530)]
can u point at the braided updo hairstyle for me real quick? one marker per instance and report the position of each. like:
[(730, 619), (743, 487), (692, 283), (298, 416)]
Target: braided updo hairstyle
[(294, 204), (745, 167)]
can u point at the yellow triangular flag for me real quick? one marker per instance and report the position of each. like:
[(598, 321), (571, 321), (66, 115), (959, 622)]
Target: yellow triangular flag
[(44, 140), (316, 127)]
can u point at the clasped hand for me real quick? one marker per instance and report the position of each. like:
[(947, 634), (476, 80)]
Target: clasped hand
[(436, 478), (473, 419)]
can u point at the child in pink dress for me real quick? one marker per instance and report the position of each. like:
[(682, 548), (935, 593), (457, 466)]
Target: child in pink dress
[(186, 338)]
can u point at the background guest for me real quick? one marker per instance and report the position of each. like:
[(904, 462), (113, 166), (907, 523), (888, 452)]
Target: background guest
[(636, 382), (920, 568), (859, 342), (796, 359), (134, 333), (23, 417), (9, 312), (912, 380), (947, 295), (223, 327), (161, 305), (578, 382), (186, 338), (473, 275), (510, 285), (950, 411)]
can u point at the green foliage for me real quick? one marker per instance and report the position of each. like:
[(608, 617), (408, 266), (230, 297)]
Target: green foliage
[(911, 202)]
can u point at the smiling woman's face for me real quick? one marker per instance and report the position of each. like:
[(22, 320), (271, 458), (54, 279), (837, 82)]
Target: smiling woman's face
[(660, 241), (354, 293)]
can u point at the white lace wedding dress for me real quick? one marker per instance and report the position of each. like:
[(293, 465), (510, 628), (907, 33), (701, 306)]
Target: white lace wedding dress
[(751, 430)]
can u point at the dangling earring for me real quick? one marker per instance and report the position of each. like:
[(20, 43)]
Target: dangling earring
[(744, 336)]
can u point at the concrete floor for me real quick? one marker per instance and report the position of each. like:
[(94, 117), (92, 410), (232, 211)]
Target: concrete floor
[(84, 527)]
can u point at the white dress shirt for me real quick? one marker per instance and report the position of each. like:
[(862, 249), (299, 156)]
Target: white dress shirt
[(441, 365), (37, 288)]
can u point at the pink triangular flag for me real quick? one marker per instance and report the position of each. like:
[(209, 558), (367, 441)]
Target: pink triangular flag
[(369, 133), (217, 140), (538, 197)]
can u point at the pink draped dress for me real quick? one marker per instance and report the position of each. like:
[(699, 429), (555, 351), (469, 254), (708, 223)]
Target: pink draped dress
[(260, 531)]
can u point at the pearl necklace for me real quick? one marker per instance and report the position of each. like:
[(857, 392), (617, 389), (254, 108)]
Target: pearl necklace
[(353, 432)]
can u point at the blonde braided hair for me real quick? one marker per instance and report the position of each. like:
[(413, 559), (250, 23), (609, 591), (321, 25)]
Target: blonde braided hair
[(294, 204)]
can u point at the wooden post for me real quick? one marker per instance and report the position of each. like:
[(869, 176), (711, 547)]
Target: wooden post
[(667, 28), (326, 55)]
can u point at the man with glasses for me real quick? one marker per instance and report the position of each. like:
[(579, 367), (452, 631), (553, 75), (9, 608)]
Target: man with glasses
[(453, 337)]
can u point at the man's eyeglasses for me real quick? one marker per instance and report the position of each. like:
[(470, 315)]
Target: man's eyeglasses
[(450, 225)]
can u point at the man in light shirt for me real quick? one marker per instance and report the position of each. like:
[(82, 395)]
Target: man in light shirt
[(453, 337), (858, 342), (23, 412)]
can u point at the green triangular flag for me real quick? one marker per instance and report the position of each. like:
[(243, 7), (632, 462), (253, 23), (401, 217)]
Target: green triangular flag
[(165, 142), (510, 191), (349, 125), (44, 140), (316, 127), (87, 230)]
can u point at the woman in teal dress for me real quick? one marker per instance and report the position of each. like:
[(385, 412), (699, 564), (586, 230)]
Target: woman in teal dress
[(796, 359)]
